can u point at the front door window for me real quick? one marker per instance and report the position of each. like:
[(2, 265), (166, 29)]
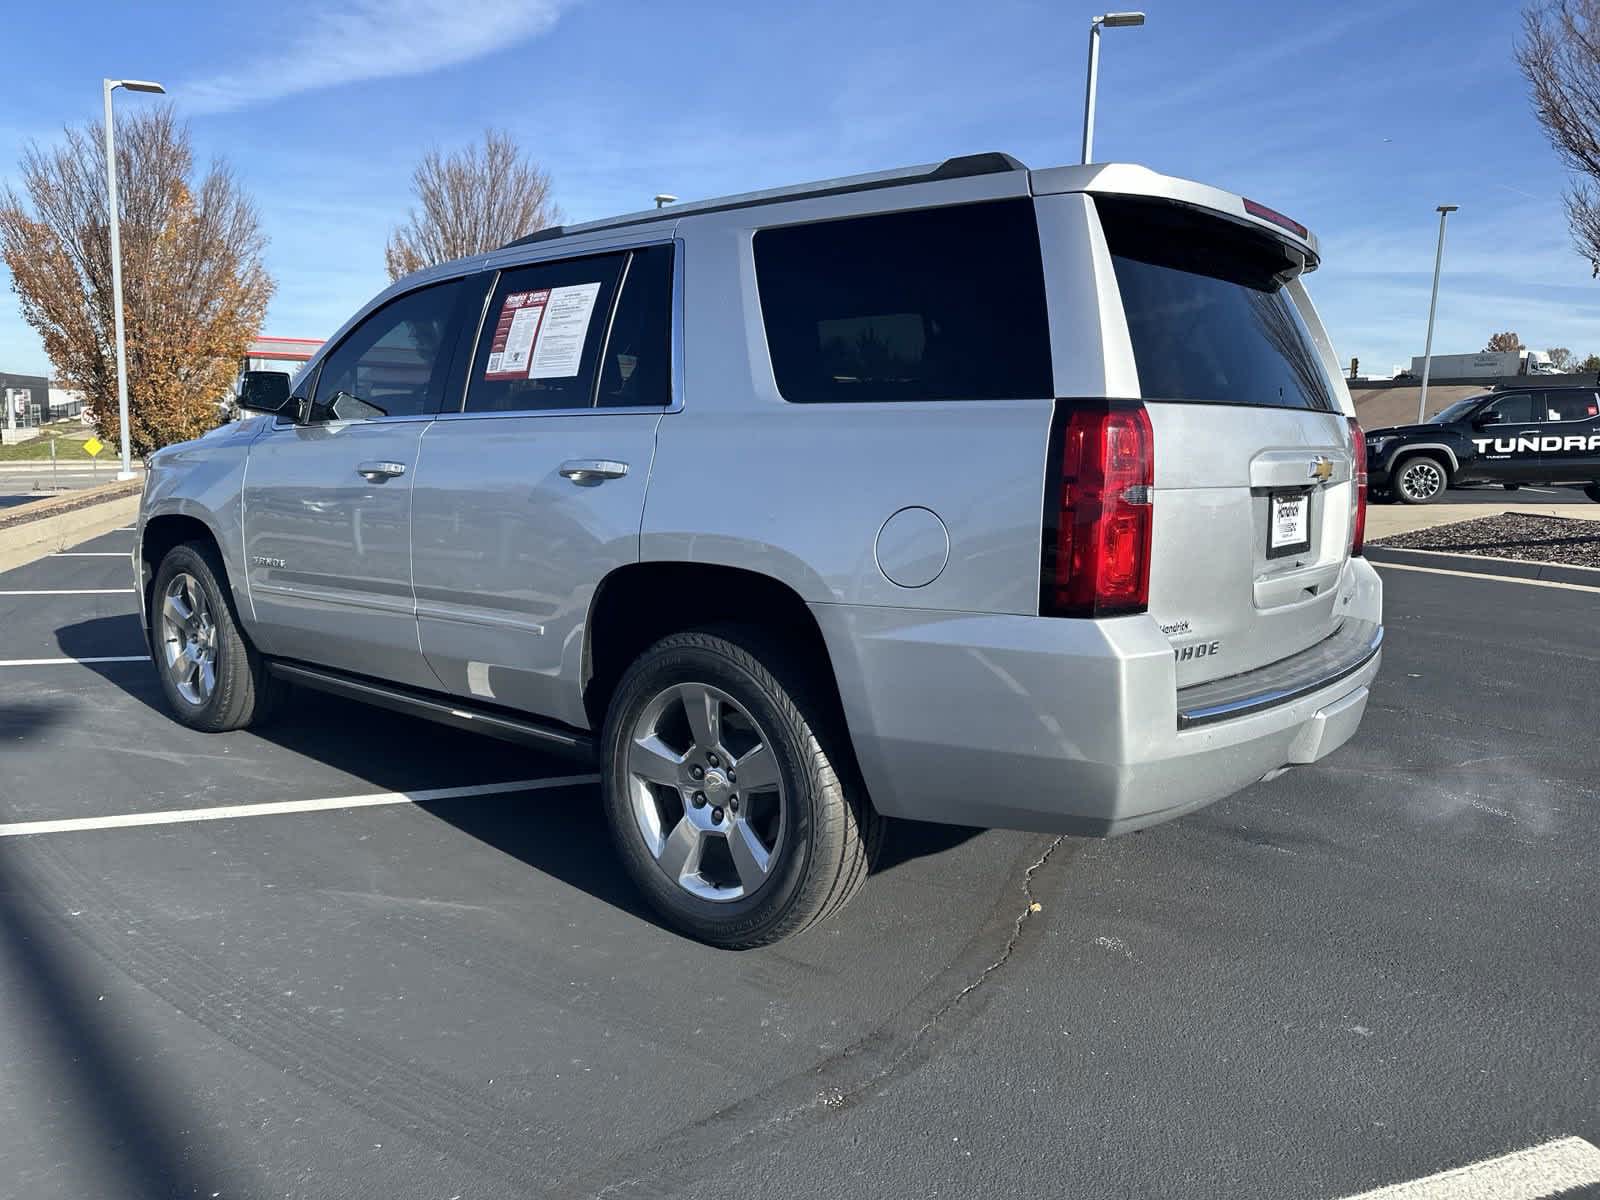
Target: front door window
[(392, 364)]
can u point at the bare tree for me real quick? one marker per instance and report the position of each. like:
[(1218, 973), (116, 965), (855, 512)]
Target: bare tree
[(1560, 357), (1504, 341), (471, 201), (1560, 55), (1588, 365), (194, 288)]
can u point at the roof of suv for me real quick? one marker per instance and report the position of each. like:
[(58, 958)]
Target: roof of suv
[(961, 167), (1519, 386), (1125, 179)]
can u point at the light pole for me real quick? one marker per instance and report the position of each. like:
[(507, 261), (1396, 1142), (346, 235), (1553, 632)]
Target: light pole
[(1116, 20), (111, 85), (1427, 349)]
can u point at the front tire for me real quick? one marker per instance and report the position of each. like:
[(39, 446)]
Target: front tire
[(213, 677), (1420, 480), (731, 789)]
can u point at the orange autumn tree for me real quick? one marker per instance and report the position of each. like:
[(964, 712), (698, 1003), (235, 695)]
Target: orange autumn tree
[(193, 286)]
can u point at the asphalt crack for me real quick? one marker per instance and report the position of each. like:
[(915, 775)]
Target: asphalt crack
[(1031, 907), (673, 1164)]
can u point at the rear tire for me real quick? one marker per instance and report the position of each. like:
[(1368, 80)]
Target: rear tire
[(213, 677), (731, 789), (1420, 479)]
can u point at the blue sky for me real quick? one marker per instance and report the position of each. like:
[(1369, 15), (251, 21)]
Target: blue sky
[(1355, 118)]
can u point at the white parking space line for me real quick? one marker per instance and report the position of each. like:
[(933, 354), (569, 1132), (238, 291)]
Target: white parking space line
[(90, 554), (61, 662), (73, 592), (1545, 583), (1536, 1173), (183, 816)]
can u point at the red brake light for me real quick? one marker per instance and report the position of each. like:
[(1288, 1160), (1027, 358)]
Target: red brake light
[(1358, 515), (1277, 218), (1097, 511)]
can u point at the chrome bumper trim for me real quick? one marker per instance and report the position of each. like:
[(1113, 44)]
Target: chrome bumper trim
[(1349, 649)]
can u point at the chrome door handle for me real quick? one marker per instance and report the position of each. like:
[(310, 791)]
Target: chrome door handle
[(593, 470), (374, 471)]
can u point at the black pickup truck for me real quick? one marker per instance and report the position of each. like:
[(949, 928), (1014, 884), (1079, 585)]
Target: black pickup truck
[(1513, 436)]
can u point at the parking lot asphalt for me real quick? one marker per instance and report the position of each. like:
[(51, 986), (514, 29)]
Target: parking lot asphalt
[(1531, 495), (425, 982)]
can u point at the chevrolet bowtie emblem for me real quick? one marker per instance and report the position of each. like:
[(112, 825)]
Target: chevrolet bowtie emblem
[(1322, 469)]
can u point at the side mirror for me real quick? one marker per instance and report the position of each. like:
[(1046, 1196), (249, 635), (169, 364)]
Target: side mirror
[(264, 391), (1484, 416)]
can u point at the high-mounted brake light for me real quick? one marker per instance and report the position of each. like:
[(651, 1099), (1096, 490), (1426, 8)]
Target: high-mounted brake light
[(1095, 559), (1277, 218), (1358, 502)]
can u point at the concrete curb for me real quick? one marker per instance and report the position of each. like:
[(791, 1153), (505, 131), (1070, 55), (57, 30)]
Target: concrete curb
[(1484, 564), (50, 525)]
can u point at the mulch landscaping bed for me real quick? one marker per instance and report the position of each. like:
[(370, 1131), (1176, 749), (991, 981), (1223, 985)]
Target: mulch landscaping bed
[(1564, 540)]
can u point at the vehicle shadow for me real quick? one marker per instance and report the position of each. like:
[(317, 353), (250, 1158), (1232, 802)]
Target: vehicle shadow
[(28, 720), (132, 1123), (547, 831), (129, 1120)]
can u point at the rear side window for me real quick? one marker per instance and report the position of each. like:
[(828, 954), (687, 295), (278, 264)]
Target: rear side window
[(541, 336), (933, 304), (1572, 406), (637, 366), (1207, 312)]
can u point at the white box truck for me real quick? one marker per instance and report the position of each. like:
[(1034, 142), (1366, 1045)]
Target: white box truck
[(1492, 364)]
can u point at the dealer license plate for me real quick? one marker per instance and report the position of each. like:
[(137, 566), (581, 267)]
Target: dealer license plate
[(1288, 523)]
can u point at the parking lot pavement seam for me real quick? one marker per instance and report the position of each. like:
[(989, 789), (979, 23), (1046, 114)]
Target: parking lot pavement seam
[(670, 1166)]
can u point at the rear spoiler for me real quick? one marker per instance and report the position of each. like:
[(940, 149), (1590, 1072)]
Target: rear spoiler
[(1129, 179)]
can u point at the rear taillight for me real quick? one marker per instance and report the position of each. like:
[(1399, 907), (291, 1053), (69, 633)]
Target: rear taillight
[(1097, 510), (1358, 505)]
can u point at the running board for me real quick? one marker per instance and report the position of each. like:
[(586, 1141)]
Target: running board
[(444, 711)]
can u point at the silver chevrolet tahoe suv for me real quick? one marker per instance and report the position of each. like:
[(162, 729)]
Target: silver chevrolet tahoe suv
[(967, 493)]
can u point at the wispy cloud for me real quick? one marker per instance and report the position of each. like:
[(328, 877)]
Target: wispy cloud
[(1259, 63), (374, 39)]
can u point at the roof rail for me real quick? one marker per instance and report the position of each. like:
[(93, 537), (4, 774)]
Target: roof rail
[(961, 167)]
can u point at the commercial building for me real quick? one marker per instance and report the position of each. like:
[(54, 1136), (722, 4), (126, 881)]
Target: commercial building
[(285, 354)]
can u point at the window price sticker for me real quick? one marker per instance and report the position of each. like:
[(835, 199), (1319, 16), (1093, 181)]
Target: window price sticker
[(516, 333), (540, 334)]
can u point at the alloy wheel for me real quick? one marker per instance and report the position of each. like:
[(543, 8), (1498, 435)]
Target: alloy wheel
[(189, 639), (1422, 480), (706, 792)]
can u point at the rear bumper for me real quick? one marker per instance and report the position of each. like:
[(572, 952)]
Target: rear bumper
[(1077, 726)]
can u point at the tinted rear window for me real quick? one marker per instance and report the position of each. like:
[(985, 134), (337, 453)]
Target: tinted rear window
[(1207, 311), (933, 304)]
